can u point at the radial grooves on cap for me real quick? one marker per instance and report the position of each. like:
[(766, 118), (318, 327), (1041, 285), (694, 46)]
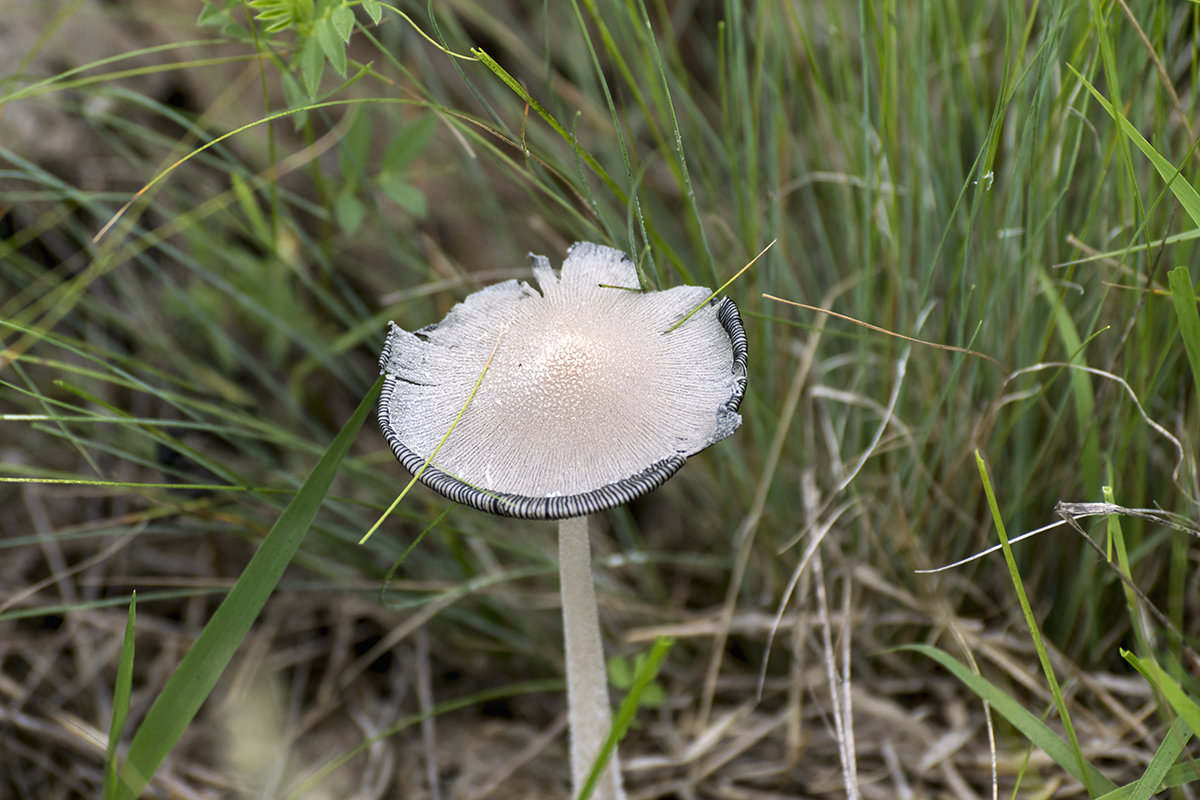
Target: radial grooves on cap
[(405, 369), (520, 506)]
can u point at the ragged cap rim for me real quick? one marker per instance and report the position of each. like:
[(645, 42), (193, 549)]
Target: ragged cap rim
[(562, 506)]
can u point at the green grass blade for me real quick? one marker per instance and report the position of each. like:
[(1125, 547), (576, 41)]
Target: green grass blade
[(646, 672), (1081, 770), (121, 692), (1082, 391), (1181, 774), (1184, 192), (634, 207), (1184, 298), (1116, 539), (688, 190), (555, 125), (196, 675), (1183, 704), (1159, 774), (1032, 728)]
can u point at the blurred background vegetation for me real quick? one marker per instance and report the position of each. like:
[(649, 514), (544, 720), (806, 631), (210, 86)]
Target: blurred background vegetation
[(209, 212)]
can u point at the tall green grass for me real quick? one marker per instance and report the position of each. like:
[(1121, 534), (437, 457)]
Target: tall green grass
[(1017, 180)]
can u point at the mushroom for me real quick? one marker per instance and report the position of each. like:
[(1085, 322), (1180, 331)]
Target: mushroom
[(592, 394)]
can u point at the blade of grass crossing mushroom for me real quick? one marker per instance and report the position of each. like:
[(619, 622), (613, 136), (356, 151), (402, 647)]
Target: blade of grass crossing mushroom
[(722, 287), (425, 466)]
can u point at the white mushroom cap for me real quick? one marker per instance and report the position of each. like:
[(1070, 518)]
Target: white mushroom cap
[(588, 402)]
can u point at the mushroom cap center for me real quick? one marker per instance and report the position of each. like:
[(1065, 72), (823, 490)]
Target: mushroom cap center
[(566, 367), (569, 373)]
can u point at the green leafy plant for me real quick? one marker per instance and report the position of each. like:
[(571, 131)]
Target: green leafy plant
[(622, 672)]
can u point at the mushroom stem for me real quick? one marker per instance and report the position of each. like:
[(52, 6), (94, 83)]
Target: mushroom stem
[(588, 712)]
